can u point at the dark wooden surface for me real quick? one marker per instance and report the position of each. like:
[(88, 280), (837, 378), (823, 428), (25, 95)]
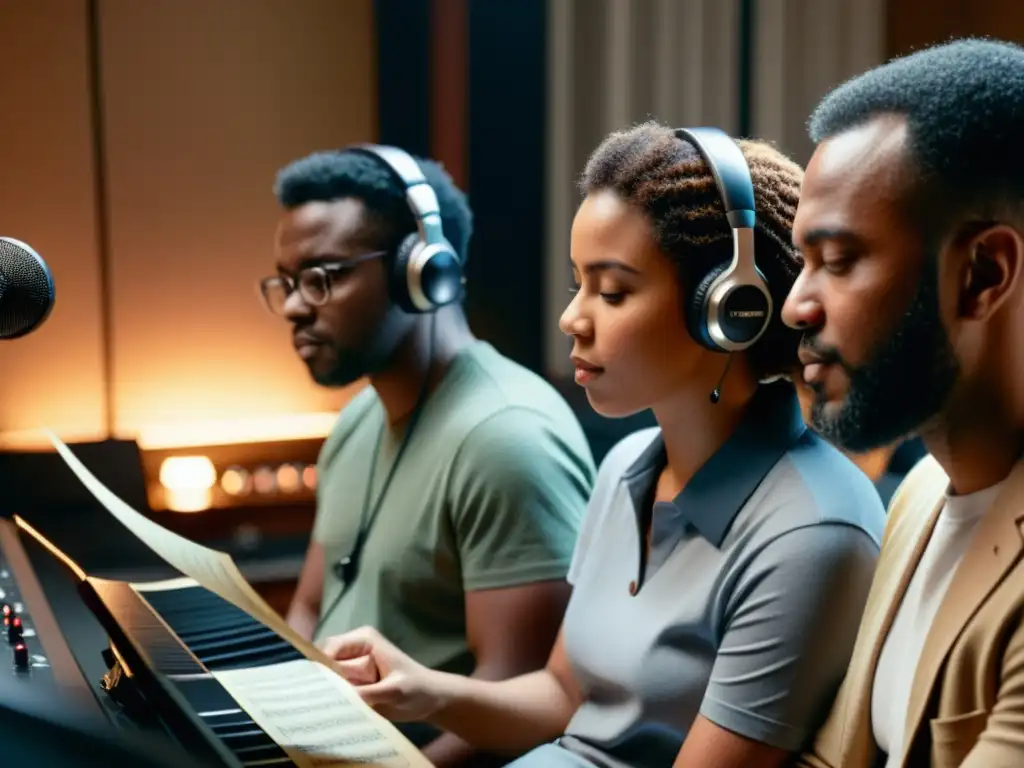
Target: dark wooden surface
[(915, 24)]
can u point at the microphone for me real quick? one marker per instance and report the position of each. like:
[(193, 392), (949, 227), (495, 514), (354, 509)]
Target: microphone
[(716, 393), (26, 289)]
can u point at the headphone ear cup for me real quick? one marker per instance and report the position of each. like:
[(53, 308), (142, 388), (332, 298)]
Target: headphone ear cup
[(697, 309), (441, 280), (400, 272)]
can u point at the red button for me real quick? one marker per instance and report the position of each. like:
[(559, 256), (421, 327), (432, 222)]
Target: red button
[(632, 588), (21, 656)]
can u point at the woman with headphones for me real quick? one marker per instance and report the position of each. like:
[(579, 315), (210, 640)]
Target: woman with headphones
[(720, 574)]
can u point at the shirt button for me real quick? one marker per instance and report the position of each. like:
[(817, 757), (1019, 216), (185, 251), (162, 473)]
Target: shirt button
[(632, 588)]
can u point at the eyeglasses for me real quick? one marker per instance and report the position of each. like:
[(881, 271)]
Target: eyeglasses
[(314, 283)]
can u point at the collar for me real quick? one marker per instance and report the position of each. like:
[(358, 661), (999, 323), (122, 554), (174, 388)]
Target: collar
[(714, 496)]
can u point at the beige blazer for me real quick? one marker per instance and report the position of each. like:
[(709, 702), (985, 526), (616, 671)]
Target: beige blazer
[(967, 700)]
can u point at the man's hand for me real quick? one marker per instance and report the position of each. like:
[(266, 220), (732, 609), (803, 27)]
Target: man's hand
[(388, 680)]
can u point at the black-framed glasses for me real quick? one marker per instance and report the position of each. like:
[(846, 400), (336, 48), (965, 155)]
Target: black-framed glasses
[(313, 282)]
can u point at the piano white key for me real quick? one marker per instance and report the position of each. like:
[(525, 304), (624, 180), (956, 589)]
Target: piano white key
[(220, 713)]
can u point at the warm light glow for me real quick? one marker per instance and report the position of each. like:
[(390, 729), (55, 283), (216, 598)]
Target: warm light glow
[(309, 477), (188, 482), (235, 481), (188, 499), (184, 472), (288, 479), (263, 480), (35, 439), (190, 434), (257, 429)]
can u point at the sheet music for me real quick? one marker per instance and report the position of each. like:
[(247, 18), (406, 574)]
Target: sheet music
[(217, 572), (319, 721), (212, 569)]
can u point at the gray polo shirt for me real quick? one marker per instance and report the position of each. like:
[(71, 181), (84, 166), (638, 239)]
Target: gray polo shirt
[(744, 611)]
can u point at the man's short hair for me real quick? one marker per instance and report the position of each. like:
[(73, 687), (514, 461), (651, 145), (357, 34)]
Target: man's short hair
[(336, 174), (964, 106)]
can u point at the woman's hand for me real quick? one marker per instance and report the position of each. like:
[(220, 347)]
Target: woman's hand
[(388, 680)]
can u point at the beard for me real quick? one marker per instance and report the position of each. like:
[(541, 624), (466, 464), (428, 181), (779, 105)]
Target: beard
[(340, 368), (338, 365), (905, 383)]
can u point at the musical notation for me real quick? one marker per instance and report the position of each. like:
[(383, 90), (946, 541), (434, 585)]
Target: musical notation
[(321, 722), (343, 730), (214, 570)]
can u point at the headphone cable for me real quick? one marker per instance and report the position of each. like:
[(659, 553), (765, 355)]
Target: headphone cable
[(347, 568), (716, 393)]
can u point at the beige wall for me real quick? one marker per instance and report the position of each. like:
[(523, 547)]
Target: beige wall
[(47, 199), (612, 63), (201, 102), (803, 49)]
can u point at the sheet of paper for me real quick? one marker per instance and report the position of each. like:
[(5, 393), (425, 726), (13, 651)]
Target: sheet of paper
[(319, 721), (217, 572), (212, 569)]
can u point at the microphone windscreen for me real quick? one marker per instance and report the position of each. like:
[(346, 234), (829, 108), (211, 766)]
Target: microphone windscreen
[(26, 289)]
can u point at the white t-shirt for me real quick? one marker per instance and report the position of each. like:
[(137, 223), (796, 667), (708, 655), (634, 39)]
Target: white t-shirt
[(897, 664)]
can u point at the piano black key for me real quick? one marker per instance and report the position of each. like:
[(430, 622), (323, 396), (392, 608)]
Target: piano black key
[(258, 756), (206, 695), (261, 655), (205, 640), (248, 630), (198, 622), (249, 738), (220, 635), (230, 723), (206, 628), (224, 725), (223, 637)]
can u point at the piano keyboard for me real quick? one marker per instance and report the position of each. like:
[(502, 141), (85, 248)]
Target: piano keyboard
[(230, 690), (221, 637), (217, 633), (230, 724)]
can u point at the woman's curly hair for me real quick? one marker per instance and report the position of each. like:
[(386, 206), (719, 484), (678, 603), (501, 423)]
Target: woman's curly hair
[(664, 176)]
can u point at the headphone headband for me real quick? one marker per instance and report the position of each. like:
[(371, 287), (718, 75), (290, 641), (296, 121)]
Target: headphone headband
[(732, 175), (419, 195), (426, 270), (731, 307)]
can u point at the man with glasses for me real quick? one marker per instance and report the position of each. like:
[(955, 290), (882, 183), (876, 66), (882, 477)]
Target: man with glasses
[(451, 489)]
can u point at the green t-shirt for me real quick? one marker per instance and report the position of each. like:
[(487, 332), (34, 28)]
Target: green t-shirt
[(489, 493)]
